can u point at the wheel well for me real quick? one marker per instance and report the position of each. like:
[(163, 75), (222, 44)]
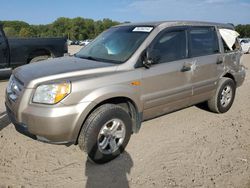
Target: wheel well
[(121, 101), (228, 75), (39, 52), (126, 104)]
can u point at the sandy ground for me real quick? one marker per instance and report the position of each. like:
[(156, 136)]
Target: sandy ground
[(74, 48), (188, 148)]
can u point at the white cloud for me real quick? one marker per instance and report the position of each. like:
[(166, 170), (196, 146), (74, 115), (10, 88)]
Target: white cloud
[(219, 1)]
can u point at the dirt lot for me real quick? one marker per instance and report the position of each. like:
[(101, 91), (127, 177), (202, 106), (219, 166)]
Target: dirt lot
[(188, 148)]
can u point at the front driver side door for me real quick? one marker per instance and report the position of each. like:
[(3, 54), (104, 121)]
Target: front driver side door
[(166, 85)]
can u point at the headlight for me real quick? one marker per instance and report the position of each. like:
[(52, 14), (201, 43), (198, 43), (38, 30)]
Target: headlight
[(51, 93)]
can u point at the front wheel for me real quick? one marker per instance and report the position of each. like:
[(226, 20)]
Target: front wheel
[(105, 133), (223, 99)]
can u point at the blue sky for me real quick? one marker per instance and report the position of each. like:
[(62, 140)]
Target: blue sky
[(46, 11)]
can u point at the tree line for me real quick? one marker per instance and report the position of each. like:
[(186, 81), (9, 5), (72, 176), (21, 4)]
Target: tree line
[(243, 30), (74, 28)]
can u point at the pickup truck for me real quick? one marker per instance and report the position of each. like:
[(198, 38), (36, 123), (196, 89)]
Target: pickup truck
[(20, 51)]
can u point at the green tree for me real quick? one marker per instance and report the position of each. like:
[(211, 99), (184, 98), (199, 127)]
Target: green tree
[(243, 30), (61, 27), (75, 28), (26, 32), (10, 32), (16, 25)]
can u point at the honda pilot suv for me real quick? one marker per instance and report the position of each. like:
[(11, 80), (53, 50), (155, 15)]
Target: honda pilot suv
[(128, 74)]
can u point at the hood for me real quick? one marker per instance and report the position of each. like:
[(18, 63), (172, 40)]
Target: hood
[(57, 66)]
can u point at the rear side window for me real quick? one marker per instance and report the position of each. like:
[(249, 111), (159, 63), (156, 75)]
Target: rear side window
[(203, 41), (170, 46)]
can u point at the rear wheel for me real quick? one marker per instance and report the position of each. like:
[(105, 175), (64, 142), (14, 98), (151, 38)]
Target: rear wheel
[(223, 99), (39, 58), (105, 133)]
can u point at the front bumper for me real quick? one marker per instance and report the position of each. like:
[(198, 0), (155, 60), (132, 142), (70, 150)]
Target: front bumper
[(21, 128), (57, 125)]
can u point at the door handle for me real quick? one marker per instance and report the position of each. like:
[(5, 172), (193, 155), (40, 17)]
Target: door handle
[(186, 68), (219, 62)]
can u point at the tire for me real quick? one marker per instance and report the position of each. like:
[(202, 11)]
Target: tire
[(39, 58), (223, 99), (97, 137)]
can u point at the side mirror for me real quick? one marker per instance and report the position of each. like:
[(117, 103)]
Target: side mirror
[(150, 57)]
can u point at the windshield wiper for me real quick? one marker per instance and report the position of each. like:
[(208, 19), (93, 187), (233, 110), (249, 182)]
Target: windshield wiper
[(98, 59), (89, 58)]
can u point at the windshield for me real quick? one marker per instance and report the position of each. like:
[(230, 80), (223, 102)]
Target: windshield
[(115, 45)]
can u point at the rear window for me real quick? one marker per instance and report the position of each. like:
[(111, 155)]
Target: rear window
[(203, 41)]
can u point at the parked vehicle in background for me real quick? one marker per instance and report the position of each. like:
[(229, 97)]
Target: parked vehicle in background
[(245, 45), (69, 42), (75, 42), (85, 42), (128, 74), (20, 51)]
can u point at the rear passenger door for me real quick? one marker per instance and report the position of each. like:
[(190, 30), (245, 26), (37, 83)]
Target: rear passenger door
[(206, 61)]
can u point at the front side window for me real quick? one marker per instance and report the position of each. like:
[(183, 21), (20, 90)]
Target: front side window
[(116, 45), (170, 46), (203, 41)]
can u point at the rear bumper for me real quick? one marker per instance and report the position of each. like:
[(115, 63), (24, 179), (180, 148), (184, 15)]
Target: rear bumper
[(240, 76)]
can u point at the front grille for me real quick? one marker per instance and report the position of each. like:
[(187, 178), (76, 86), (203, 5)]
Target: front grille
[(14, 88)]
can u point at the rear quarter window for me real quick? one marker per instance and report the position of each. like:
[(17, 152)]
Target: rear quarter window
[(203, 41), (235, 47)]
